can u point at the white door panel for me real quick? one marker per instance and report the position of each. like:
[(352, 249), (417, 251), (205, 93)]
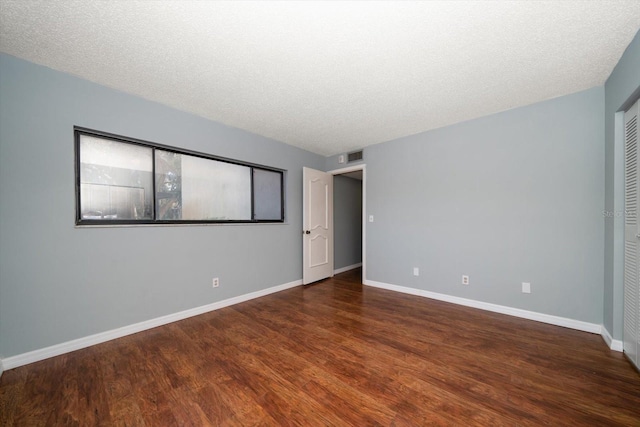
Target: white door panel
[(317, 219)]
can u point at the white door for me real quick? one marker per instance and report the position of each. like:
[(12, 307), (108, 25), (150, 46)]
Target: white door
[(631, 236), (317, 223)]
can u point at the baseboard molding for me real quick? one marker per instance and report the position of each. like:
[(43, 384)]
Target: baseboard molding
[(77, 344), (1, 368), (530, 315), (615, 345), (347, 268)]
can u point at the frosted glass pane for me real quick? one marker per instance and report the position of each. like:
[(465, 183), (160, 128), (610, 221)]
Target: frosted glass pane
[(195, 188), (107, 152), (267, 189), (168, 185), (115, 180)]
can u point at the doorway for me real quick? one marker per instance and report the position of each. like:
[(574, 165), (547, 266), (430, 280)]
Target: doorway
[(349, 218)]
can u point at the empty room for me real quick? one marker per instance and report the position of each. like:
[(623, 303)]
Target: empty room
[(319, 213)]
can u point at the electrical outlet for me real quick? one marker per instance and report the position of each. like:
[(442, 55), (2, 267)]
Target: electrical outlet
[(416, 271), (216, 282), (370, 218), (465, 280), (526, 287)]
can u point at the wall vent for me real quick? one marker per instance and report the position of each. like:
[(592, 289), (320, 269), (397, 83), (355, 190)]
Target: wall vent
[(354, 157)]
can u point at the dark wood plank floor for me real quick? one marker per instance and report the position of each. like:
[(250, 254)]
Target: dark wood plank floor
[(334, 353)]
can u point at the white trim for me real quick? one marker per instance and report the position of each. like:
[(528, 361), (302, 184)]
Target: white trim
[(615, 345), (1, 368), (531, 315), (348, 169), (347, 268), (364, 222), (363, 168), (77, 344)]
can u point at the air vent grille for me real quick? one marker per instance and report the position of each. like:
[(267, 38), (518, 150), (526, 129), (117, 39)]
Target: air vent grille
[(354, 157)]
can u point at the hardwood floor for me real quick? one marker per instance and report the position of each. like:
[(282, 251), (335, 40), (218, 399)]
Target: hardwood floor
[(334, 353)]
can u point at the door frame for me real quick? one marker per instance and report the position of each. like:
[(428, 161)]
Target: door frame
[(360, 167)]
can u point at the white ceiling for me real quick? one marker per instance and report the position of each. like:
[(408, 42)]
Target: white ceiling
[(328, 77)]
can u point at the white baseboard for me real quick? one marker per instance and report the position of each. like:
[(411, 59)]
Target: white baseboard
[(531, 315), (1, 368), (347, 268), (77, 344), (615, 345)]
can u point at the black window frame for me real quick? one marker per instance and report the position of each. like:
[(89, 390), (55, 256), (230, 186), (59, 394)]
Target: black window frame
[(80, 131)]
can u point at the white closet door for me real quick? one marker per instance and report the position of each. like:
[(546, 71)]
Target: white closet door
[(631, 237)]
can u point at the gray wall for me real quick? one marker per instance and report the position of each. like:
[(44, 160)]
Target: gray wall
[(512, 197), (58, 282), (621, 89), (347, 221)]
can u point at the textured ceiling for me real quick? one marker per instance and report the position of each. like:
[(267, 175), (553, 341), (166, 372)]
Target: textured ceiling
[(328, 76)]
